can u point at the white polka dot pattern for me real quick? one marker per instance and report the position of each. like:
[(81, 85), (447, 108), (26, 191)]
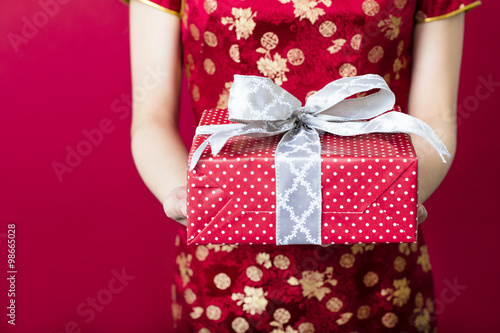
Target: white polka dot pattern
[(369, 189)]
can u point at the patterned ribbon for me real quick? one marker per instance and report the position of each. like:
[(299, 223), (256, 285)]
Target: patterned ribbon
[(261, 108)]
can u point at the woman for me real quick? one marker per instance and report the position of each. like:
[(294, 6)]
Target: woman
[(301, 45)]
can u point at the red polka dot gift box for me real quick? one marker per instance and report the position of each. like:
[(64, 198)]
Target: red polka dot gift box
[(304, 185)]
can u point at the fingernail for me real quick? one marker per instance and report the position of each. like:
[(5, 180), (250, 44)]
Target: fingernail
[(183, 211)]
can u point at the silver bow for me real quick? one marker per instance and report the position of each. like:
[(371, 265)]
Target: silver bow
[(261, 108)]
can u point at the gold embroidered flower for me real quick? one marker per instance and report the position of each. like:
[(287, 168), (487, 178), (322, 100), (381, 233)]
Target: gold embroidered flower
[(422, 316), (337, 45), (223, 248), (400, 294), (360, 248), (407, 248), (273, 69), (307, 9), (391, 26), (254, 300), (242, 22), (423, 259), (224, 96), (264, 259), (184, 262), (313, 285)]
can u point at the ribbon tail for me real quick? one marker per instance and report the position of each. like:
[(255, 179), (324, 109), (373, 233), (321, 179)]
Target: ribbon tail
[(390, 122), (222, 133)]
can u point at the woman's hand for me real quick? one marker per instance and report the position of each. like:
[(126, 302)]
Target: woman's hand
[(421, 213), (175, 204)]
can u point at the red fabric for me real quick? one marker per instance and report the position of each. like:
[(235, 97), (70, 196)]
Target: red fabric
[(301, 45), (431, 8), (173, 5)]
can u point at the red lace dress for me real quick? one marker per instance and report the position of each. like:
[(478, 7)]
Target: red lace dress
[(302, 45)]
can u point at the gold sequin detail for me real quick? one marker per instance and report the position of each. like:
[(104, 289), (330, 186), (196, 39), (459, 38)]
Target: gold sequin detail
[(201, 252), (399, 264), (222, 281), (213, 312), (334, 304), (281, 261), (306, 328), (375, 54), (327, 29), (189, 296), (356, 41), (370, 279), (210, 38), (204, 330), (390, 320), (347, 260), (347, 70), (363, 312), (195, 32), (210, 6), (370, 7), (295, 57), (234, 53), (240, 325), (282, 316), (209, 66)]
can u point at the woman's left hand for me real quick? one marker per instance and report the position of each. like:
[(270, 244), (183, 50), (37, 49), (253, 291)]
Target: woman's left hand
[(421, 213)]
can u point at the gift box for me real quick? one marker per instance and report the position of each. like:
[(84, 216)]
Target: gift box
[(351, 189)]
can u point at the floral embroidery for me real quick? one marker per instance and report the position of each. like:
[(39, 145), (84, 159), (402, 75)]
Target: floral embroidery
[(254, 300), (184, 262), (224, 96), (337, 45), (400, 294), (307, 8), (273, 69), (423, 259), (242, 22), (400, 62), (407, 248), (422, 315), (391, 26), (344, 318), (313, 283), (264, 259), (223, 248), (360, 248)]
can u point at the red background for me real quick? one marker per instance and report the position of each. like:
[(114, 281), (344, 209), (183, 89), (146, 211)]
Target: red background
[(75, 232)]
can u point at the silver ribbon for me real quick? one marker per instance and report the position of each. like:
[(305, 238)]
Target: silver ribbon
[(260, 108)]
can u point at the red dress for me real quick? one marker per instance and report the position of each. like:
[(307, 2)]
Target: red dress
[(302, 45)]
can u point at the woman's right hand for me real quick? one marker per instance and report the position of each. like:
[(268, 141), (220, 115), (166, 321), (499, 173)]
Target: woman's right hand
[(175, 204)]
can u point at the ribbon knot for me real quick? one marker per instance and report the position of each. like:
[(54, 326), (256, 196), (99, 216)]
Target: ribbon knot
[(261, 108)]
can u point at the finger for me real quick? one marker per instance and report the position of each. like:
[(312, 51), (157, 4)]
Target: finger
[(421, 214), (175, 209)]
